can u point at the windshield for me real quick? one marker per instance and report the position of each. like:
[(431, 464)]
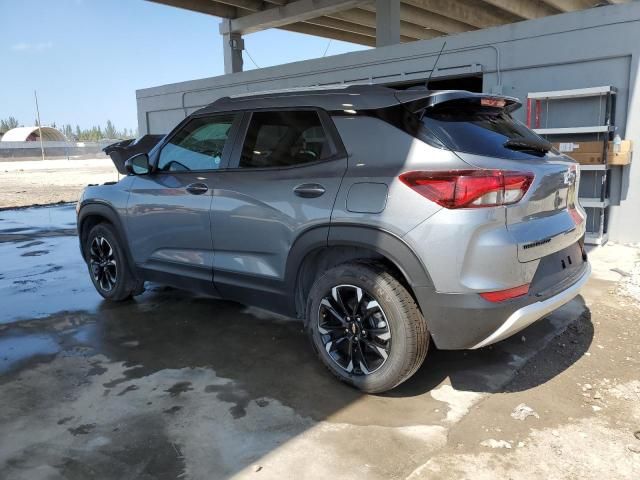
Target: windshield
[(482, 131)]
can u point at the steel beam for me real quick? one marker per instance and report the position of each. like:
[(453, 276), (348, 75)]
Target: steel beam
[(232, 46), (368, 19), (424, 18), (465, 11), (387, 22), (526, 9), (294, 12), (210, 8), (571, 5), (343, 26), (250, 5), (331, 33)]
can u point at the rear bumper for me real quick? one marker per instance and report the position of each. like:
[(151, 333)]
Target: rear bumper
[(466, 321), (525, 316)]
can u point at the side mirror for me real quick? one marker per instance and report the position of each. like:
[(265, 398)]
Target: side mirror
[(138, 164)]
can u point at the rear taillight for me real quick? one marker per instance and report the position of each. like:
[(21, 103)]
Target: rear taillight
[(469, 188)]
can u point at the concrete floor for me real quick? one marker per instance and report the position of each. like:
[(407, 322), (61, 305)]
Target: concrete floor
[(171, 385)]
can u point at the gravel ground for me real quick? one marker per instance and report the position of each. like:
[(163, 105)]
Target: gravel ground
[(582, 423), (46, 182), (630, 284)]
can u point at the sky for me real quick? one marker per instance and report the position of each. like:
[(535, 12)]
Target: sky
[(86, 58)]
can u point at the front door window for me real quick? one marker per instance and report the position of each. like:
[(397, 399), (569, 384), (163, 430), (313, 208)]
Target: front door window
[(198, 146)]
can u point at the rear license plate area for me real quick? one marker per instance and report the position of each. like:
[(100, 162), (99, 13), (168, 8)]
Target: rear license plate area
[(554, 268)]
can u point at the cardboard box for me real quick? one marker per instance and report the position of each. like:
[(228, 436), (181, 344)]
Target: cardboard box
[(587, 158), (589, 147), (620, 158), (590, 153)]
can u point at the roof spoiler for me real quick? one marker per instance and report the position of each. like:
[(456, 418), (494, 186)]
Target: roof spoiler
[(417, 102)]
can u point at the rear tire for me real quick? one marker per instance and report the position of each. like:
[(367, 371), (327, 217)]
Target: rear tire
[(108, 266), (366, 327)]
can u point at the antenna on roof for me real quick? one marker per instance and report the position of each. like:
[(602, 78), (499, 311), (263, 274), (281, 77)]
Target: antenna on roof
[(435, 64)]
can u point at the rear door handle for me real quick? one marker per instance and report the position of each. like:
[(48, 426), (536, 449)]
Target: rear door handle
[(197, 188), (309, 190)]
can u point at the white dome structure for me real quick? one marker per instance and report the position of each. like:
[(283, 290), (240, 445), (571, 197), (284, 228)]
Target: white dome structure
[(32, 134)]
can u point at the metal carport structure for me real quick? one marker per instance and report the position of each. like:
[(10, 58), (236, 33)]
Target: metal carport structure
[(369, 22), (581, 49)]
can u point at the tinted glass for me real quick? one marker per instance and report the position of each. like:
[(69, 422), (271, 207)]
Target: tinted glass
[(283, 139), (198, 146), (478, 130)]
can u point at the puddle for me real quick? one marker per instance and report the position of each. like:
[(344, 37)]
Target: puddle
[(15, 350), (35, 253), (28, 224), (37, 281), (84, 334), (31, 244), (38, 218)]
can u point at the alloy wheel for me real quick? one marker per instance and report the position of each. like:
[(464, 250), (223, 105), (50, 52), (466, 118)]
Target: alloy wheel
[(102, 263), (354, 329)]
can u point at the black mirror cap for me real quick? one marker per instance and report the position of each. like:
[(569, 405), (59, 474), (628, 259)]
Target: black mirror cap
[(138, 164)]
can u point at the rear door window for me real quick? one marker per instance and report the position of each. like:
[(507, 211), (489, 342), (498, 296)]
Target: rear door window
[(198, 146), (493, 132), (284, 139)]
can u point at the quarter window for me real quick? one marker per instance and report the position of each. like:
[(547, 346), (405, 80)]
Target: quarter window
[(283, 139), (198, 146)]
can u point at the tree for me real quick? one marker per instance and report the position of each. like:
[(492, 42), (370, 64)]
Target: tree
[(110, 130), (68, 131), (93, 134), (8, 124)]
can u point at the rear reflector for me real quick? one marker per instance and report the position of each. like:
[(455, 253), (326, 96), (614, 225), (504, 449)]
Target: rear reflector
[(469, 188), (509, 293), (575, 215)]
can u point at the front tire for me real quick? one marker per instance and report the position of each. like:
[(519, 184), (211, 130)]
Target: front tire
[(366, 327), (108, 266)]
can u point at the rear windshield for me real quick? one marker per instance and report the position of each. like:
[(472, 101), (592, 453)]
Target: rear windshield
[(478, 130)]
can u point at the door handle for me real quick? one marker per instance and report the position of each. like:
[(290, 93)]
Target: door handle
[(309, 190), (197, 188)]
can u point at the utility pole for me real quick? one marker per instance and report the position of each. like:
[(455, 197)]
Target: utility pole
[(39, 124)]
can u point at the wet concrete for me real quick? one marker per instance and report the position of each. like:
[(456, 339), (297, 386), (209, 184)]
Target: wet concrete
[(174, 385)]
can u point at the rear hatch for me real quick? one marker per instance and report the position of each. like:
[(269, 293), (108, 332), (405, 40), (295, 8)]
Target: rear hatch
[(120, 152), (482, 132)]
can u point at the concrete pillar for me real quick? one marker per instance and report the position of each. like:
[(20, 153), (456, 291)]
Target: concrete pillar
[(387, 22), (232, 46)]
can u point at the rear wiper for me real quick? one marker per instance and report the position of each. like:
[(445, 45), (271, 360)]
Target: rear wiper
[(528, 145)]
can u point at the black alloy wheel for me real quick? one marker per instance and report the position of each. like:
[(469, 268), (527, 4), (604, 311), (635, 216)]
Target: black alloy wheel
[(109, 269), (365, 326), (103, 264), (354, 329)]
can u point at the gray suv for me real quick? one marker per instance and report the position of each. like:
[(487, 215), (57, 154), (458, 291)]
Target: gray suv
[(384, 219)]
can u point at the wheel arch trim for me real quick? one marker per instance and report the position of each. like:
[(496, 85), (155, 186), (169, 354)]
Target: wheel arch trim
[(108, 212), (386, 244)]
